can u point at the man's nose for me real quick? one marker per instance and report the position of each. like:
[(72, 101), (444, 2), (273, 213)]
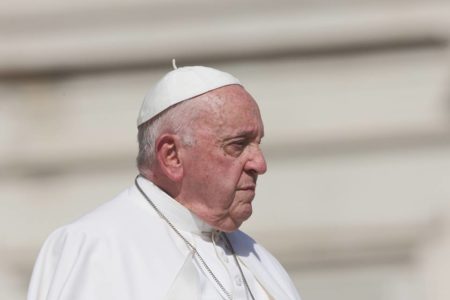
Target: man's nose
[(256, 161)]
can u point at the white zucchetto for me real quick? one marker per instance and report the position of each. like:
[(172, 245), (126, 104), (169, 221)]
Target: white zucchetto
[(179, 85)]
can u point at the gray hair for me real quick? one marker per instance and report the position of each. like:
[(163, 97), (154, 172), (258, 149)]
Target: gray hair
[(177, 120)]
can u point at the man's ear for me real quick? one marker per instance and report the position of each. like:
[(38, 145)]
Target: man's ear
[(167, 154)]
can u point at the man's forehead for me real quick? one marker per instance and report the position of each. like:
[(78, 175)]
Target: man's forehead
[(223, 103), (236, 121), (231, 98), (230, 123)]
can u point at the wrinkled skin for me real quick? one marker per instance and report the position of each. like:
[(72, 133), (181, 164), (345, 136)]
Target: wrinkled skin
[(220, 170)]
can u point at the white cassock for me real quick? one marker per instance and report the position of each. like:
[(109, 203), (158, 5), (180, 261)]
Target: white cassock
[(124, 250)]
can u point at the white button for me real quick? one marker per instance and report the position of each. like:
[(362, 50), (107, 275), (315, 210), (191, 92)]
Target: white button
[(238, 280)]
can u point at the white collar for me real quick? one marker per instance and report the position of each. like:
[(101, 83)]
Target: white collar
[(179, 215)]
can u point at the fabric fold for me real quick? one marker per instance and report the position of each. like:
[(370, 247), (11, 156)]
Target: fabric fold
[(187, 283)]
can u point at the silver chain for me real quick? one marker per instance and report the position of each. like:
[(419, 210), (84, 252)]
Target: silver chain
[(194, 250)]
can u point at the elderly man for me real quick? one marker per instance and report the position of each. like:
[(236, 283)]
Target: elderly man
[(174, 233)]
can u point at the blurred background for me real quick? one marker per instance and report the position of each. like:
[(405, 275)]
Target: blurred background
[(355, 98)]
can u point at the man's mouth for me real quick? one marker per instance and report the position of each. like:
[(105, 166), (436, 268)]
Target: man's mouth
[(247, 188)]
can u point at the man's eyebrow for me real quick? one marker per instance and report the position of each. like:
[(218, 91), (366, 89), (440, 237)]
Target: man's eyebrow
[(245, 133)]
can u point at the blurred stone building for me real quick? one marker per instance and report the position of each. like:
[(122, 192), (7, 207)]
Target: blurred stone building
[(355, 98)]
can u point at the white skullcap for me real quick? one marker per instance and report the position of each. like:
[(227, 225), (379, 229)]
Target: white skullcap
[(179, 85)]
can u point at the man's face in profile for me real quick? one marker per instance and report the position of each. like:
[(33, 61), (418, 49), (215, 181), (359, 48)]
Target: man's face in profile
[(221, 168)]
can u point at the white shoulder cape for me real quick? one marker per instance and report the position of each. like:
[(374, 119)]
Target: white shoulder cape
[(123, 250)]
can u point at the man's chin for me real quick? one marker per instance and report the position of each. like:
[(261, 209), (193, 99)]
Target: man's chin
[(245, 213)]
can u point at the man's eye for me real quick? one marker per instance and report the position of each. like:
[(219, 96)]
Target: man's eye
[(235, 148), (240, 144)]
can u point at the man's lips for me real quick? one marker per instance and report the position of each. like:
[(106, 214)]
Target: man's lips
[(247, 188)]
